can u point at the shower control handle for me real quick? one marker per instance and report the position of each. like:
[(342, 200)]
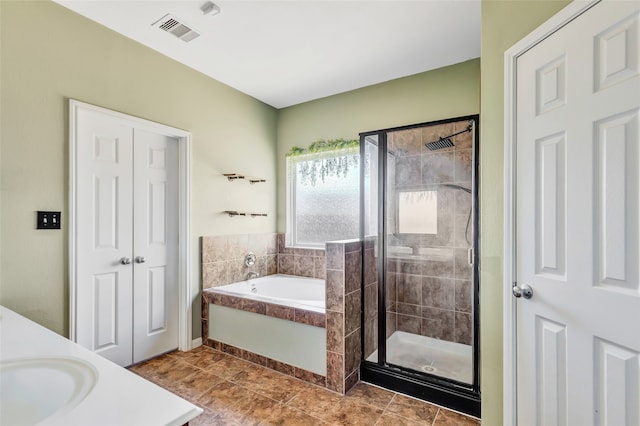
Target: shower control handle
[(522, 291)]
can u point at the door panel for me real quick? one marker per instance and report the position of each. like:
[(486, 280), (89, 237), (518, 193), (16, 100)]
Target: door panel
[(578, 222), (104, 229), (155, 239), (126, 209)]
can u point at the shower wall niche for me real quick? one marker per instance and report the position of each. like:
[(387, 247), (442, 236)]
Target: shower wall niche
[(420, 304)]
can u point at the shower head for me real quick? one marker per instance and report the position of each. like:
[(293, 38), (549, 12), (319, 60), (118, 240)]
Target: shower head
[(440, 144), (445, 142)]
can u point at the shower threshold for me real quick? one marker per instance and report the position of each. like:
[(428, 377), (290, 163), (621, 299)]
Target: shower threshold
[(428, 355)]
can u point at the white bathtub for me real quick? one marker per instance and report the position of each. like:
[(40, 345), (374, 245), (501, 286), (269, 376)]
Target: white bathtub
[(285, 340), (288, 290)]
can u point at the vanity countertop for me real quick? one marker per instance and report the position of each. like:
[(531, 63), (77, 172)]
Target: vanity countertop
[(119, 397)]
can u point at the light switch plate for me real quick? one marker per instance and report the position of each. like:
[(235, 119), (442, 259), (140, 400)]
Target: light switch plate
[(48, 220)]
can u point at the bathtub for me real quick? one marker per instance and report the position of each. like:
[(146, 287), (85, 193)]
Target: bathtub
[(276, 319), (287, 290)]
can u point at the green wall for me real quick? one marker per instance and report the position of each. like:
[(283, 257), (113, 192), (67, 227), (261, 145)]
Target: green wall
[(503, 24), (446, 92), (49, 55)]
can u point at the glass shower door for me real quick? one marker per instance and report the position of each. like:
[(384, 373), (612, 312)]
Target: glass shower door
[(428, 241), (419, 263)]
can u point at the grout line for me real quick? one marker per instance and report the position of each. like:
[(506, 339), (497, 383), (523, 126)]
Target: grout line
[(436, 416)]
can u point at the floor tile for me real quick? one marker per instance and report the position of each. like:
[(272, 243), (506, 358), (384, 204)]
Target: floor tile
[(228, 367), (196, 384), (449, 418), (257, 409), (287, 416), (412, 409), (207, 418), (372, 395), (224, 395), (205, 358), (236, 392), (350, 412), (177, 372), (316, 402), (389, 419)]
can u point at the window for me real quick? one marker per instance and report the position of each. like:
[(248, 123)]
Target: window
[(323, 197)]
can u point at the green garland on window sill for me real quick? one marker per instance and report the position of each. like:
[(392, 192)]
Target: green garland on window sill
[(312, 168), (324, 146)]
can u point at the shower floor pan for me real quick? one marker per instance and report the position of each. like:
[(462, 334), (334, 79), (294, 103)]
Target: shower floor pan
[(426, 354)]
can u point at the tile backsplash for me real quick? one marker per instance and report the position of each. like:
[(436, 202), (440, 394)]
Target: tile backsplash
[(223, 258)]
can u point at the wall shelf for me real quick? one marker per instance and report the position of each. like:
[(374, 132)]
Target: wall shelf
[(236, 176), (233, 213)]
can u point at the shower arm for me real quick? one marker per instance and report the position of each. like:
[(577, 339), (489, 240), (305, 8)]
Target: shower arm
[(468, 129)]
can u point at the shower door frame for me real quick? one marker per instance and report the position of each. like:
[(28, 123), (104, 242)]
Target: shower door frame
[(446, 392)]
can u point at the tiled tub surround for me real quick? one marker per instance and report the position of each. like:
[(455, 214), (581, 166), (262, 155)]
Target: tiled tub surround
[(344, 270), (289, 339), (223, 258), (432, 295), (340, 263)]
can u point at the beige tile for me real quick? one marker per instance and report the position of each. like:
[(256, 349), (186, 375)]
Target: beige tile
[(353, 413), (449, 418), (224, 395), (286, 264), (303, 266), (178, 372), (412, 409), (287, 416), (335, 256), (389, 419), (372, 395), (335, 290), (315, 319), (335, 331), (256, 409), (335, 372), (207, 418), (203, 359), (314, 401), (228, 367), (195, 385)]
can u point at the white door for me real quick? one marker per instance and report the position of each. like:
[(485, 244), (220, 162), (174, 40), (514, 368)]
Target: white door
[(155, 245), (104, 306), (126, 239), (578, 223)]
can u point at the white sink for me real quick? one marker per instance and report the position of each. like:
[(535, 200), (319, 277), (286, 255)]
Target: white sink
[(35, 389)]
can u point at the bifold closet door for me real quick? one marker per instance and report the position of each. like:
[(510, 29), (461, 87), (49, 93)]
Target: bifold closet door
[(126, 215)]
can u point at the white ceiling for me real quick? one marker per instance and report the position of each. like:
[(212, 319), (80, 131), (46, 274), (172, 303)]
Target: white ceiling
[(288, 52)]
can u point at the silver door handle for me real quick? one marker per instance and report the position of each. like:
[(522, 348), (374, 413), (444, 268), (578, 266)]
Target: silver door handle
[(522, 291), (141, 259), (125, 260)]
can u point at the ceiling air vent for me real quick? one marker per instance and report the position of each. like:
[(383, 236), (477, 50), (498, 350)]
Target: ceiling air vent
[(172, 25)]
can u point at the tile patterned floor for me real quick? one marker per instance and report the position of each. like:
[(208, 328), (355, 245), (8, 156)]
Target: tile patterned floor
[(236, 392)]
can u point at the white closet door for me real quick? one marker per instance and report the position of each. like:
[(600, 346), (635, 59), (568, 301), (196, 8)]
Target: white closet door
[(104, 230), (155, 306)]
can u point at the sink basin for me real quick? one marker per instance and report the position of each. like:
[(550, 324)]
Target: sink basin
[(35, 389)]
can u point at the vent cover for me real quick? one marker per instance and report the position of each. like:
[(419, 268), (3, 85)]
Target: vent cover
[(173, 25)]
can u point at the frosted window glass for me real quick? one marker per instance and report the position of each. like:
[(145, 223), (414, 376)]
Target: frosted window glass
[(418, 212), (323, 206)]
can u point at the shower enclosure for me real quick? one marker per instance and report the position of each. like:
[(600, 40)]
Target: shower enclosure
[(420, 261)]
